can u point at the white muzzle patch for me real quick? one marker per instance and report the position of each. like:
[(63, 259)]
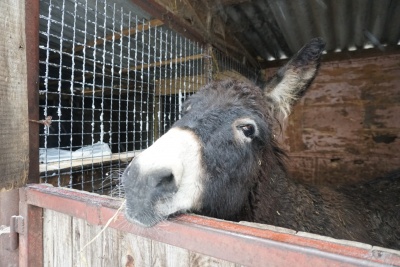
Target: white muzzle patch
[(179, 151)]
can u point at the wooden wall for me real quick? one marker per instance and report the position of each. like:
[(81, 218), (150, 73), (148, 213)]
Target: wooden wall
[(112, 248), (71, 219), (347, 126)]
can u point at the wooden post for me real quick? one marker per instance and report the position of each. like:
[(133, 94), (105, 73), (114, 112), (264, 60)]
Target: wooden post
[(208, 65), (32, 62), (31, 238), (14, 140)]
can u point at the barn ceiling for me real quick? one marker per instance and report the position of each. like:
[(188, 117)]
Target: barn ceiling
[(264, 32)]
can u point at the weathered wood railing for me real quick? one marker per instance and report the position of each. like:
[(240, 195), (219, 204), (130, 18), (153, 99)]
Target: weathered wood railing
[(59, 223)]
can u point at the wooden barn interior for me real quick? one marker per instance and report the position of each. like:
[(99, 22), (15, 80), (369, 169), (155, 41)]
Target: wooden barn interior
[(86, 85)]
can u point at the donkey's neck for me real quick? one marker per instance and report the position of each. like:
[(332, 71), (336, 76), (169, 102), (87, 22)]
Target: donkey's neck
[(281, 201), (274, 198)]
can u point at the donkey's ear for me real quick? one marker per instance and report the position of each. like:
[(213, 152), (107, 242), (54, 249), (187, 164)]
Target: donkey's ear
[(291, 81)]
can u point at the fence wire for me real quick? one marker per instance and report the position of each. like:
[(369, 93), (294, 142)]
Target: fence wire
[(112, 80)]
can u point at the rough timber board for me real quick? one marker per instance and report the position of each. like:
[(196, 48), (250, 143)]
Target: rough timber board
[(244, 245), (70, 246), (57, 239), (70, 164), (186, 84), (82, 234), (14, 138), (346, 127)]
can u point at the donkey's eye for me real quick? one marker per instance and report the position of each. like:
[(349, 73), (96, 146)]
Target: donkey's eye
[(248, 130)]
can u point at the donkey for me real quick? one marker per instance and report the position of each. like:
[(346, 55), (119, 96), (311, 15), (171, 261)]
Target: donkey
[(221, 160)]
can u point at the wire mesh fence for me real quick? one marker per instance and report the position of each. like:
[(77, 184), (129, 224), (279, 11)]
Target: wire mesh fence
[(112, 80)]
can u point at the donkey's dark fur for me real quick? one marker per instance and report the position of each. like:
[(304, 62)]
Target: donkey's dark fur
[(245, 178), (264, 192), (210, 110)]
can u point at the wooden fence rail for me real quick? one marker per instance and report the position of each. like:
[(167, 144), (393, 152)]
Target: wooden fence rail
[(72, 218)]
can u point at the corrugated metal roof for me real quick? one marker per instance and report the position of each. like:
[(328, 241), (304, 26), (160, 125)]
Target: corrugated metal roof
[(276, 29)]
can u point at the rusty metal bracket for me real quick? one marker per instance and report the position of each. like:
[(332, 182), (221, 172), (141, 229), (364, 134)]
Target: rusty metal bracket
[(16, 227)]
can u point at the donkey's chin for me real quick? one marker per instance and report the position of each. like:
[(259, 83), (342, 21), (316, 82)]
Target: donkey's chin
[(154, 214), (145, 220)]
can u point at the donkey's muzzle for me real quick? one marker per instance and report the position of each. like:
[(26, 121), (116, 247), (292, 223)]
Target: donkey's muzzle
[(146, 190)]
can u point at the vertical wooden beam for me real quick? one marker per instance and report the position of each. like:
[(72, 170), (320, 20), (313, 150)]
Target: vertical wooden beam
[(31, 240), (14, 142), (208, 63), (32, 62)]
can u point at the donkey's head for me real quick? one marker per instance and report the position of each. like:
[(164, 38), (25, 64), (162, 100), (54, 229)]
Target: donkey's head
[(212, 158)]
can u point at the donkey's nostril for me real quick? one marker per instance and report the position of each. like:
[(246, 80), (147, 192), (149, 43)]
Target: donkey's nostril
[(166, 180), (165, 184)]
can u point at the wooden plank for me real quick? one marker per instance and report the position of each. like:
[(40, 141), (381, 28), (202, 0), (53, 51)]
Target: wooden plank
[(57, 237), (31, 241), (32, 8), (111, 244), (183, 17), (158, 10), (125, 32), (346, 128), (194, 14), (101, 40), (231, 74), (164, 255), (48, 238), (83, 233), (226, 240), (188, 84), (110, 247), (164, 62), (68, 164), (135, 251), (200, 260), (14, 138), (116, 36)]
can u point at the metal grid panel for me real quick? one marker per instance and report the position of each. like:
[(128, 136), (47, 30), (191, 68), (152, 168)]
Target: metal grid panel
[(111, 82), (226, 67)]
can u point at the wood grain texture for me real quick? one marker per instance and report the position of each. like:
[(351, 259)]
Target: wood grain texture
[(136, 249), (186, 84), (200, 260), (346, 128), (57, 239), (169, 256), (111, 242), (67, 243), (83, 233), (14, 132)]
